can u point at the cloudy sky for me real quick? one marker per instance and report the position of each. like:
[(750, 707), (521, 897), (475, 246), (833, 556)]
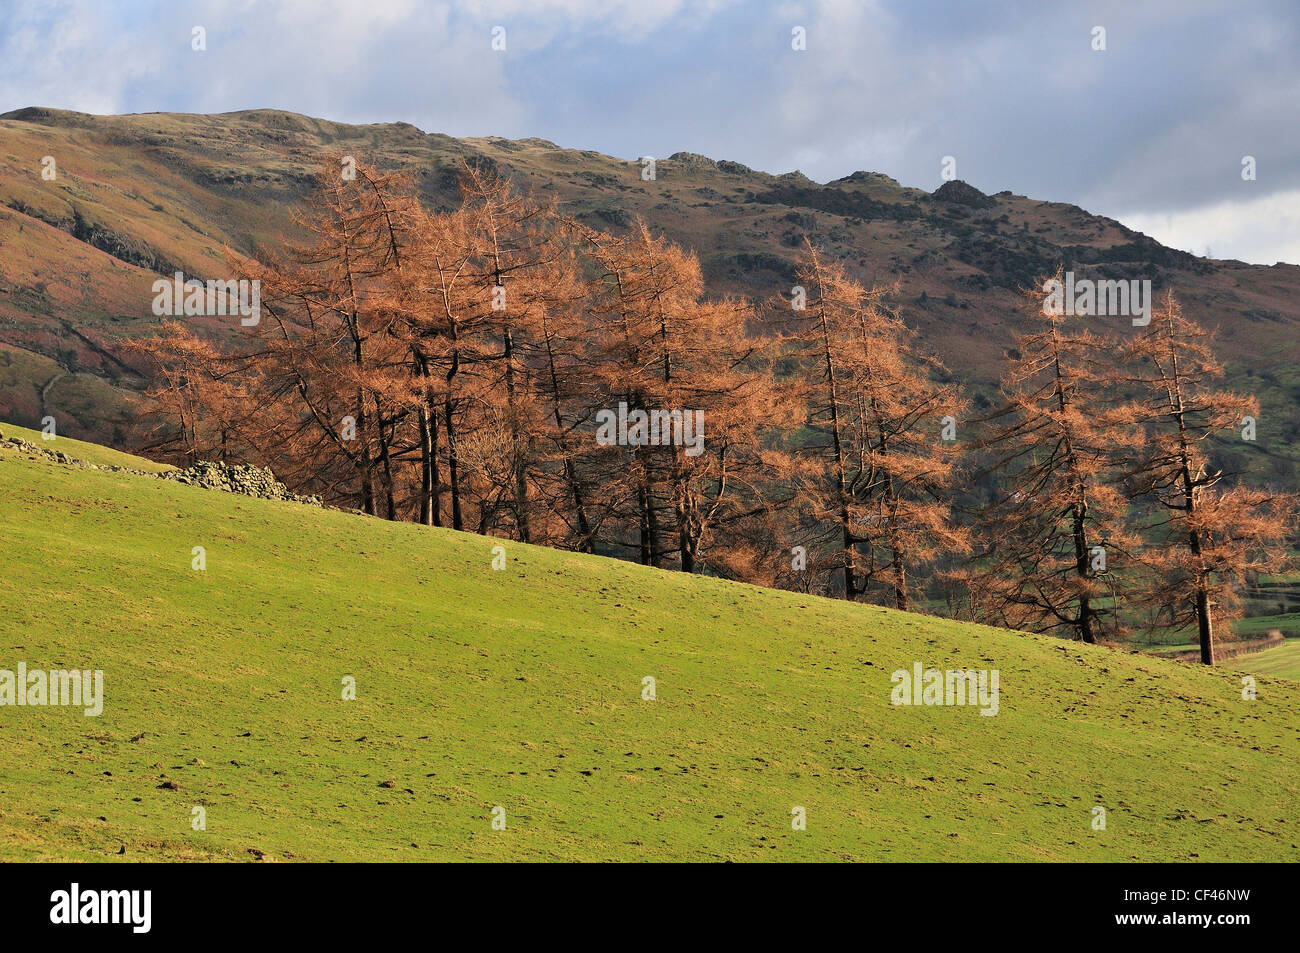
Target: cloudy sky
[(1152, 130)]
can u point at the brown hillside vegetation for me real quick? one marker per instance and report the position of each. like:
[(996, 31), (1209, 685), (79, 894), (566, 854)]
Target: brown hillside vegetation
[(141, 195)]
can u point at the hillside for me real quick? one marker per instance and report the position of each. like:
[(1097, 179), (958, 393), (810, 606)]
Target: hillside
[(141, 195), (522, 688)]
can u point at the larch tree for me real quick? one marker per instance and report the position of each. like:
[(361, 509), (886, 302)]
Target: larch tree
[(329, 310), (562, 343), (444, 319), (875, 490), (1206, 532), (198, 404), (518, 256), (1056, 545), (667, 353), (907, 468)]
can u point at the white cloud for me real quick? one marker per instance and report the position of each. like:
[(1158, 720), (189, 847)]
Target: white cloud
[(65, 53), (1261, 230), (1156, 124)]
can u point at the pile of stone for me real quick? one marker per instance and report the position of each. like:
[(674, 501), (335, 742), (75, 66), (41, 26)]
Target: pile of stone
[(241, 478), (58, 456)]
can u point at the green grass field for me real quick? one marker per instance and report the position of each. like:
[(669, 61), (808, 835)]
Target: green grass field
[(1256, 627), (523, 688), (1280, 662)]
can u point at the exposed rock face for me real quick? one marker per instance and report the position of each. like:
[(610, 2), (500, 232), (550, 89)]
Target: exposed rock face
[(244, 479), (962, 193), (692, 160), (867, 178)]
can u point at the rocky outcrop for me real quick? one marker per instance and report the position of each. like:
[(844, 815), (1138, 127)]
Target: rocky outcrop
[(962, 193)]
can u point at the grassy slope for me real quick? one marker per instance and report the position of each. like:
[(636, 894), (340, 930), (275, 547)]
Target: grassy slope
[(522, 688), (80, 450)]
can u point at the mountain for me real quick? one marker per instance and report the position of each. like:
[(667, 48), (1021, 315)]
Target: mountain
[(524, 688), (139, 196)]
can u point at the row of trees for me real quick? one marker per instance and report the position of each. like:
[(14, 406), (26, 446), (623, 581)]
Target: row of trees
[(448, 368)]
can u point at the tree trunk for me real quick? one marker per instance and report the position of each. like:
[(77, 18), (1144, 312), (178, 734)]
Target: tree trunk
[(1081, 567), (1204, 624), (453, 472), (585, 542), (643, 510), (426, 468), (840, 488), (367, 462), (685, 542), (519, 465), (385, 437), (900, 580)]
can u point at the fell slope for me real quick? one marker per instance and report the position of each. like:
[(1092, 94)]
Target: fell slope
[(522, 688), (137, 196)]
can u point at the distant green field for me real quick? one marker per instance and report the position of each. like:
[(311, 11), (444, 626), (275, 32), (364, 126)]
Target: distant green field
[(1281, 662), (522, 688), (1257, 627), (1174, 649)]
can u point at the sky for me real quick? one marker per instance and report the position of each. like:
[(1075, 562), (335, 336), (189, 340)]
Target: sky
[(1152, 130)]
